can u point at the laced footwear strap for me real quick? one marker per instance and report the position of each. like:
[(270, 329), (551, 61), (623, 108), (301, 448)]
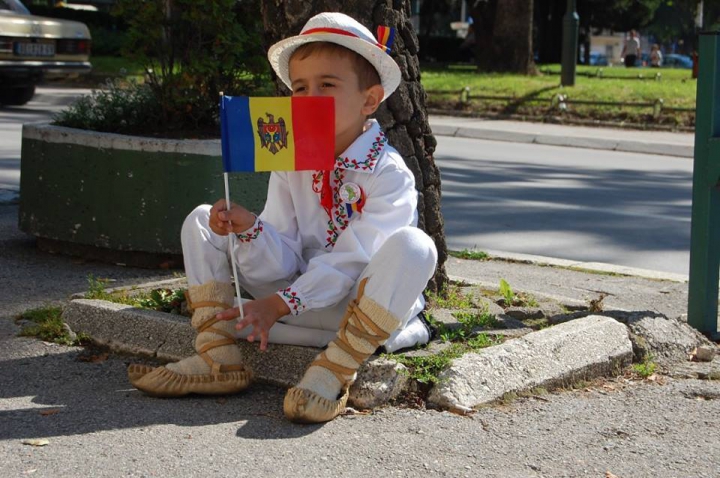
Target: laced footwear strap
[(343, 342), (209, 323), (217, 367), (370, 331), (191, 306), (338, 370), (229, 339)]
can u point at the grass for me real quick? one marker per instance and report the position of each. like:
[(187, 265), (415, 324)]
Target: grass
[(472, 320), (646, 368), (470, 254), (48, 326), (676, 88), (512, 299), (451, 297), (163, 300), (115, 65), (427, 369)]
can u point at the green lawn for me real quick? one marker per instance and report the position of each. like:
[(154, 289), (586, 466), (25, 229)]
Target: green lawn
[(675, 88), (115, 65)]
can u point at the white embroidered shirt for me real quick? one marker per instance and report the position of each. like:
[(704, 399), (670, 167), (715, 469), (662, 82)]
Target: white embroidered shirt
[(295, 239)]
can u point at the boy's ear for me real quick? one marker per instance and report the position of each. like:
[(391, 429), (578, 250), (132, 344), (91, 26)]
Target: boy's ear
[(373, 98)]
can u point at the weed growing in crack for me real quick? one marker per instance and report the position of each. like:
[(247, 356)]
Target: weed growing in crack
[(451, 297), (470, 255), (163, 300), (471, 320), (426, 369), (48, 326), (646, 368)]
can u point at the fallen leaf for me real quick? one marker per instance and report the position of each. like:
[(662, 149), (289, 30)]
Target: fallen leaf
[(36, 442), (94, 358), (221, 400), (49, 412), (610, 475)]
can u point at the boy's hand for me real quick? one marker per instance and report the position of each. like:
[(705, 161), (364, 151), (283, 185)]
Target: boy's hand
[(235, 220), (261, 315)]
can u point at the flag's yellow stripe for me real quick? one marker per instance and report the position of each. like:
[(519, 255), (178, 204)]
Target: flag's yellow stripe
[(284, 158)]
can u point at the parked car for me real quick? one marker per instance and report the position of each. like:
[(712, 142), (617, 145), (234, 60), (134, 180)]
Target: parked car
[(598, 59), (673, 60), (33, 47)]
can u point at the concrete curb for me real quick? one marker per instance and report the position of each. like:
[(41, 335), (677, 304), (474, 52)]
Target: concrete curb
[(664, 149), (579, 350), (170, 337), (597, 267)]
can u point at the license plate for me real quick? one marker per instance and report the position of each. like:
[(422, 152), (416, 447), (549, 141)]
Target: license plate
[(34, 49)]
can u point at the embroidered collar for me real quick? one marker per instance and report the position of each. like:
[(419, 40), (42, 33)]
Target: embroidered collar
[(363, 154)]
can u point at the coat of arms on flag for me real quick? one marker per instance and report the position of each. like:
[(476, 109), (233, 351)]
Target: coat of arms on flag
[(273, 136)]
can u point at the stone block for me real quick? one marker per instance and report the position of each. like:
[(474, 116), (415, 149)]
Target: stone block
[(581, 349), (666, 340)]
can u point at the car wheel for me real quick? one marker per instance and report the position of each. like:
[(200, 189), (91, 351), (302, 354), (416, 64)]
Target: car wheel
[(16, 96)]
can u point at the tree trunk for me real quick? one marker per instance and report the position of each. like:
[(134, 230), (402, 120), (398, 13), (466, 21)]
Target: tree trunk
[(505, 40), (403, 116)]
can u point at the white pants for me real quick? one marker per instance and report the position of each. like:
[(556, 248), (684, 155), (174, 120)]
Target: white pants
[(397, 274)]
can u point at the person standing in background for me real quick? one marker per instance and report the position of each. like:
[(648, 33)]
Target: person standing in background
[(656, 56), (631, 49)]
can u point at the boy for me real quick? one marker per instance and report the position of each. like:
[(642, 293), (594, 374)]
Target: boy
[(323, 238)]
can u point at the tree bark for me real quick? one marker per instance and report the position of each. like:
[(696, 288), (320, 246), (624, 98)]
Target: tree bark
[(504, 35), (403, 116)]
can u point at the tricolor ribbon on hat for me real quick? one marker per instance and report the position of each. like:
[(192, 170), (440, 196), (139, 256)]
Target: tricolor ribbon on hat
[(385, 35)]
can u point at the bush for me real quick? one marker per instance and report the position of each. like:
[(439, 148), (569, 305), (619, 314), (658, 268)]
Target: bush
[(106, 41), (192, 51), (119, 108)]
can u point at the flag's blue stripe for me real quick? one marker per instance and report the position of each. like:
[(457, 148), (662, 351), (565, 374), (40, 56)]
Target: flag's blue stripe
[(237, 135)]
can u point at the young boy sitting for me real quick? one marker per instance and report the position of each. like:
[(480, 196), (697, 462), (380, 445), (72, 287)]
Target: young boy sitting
[(324, 238)]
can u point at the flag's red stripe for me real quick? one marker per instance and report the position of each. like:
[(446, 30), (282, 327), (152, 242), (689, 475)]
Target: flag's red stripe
[(314, 129)]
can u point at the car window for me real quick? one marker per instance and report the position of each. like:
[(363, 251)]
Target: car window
[(14, 6)]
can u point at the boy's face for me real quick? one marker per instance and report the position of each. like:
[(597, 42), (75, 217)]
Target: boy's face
[(322, 74)]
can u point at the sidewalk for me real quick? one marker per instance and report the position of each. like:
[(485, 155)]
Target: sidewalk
[(648, 142)]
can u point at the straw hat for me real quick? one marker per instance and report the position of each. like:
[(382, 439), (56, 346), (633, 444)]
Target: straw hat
[(341, 29)]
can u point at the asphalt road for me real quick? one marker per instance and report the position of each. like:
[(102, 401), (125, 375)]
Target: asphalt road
[(587, 205), (47, 102)]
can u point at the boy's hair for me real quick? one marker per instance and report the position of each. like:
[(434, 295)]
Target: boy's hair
[(366, 73)]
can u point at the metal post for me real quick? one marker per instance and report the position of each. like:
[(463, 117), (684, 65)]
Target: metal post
[(571, 23), (705, 229)]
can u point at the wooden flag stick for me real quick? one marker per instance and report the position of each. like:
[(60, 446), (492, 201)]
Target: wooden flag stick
[(231, 248)]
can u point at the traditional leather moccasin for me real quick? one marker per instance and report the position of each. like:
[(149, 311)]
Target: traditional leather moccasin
[(305, 406), (161, 382), (217, 375), (137, 370)]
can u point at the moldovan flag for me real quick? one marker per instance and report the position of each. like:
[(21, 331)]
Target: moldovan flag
[(277, 134)]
